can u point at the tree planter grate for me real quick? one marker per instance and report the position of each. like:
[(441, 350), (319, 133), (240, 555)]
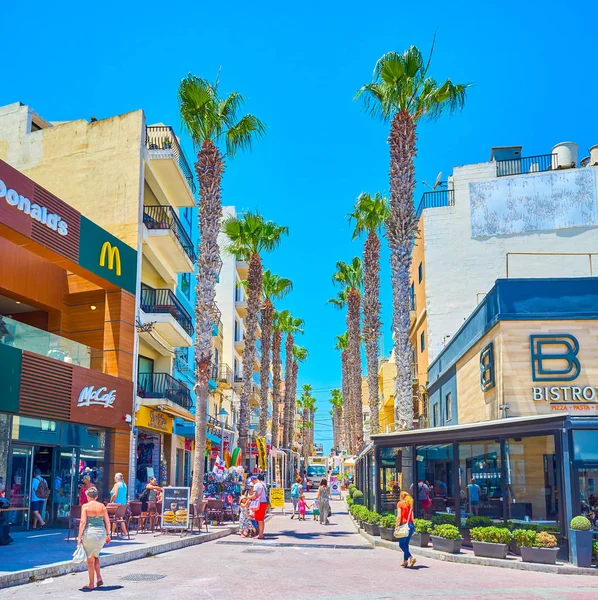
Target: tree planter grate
[(143, 577)]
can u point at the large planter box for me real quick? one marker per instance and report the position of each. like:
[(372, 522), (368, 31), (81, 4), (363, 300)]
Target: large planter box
[(444, 545), (388, 534), (464, 531), (581, 547), (372, 529), (490, 550), (358, 501), (545, 556), (421, 540)]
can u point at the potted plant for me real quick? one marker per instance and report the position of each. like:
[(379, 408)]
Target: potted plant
[(372, 520), (349, 501), (595, 550), (491, 542), (580, 541), (357, 497), (447, 538), (421, 536), (536, 547), (167, 143), (387, 528)]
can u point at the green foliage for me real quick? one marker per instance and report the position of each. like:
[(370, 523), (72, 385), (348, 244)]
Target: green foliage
[(372, 517), (545, 540), (352, 487), (350, 501), (449, 532), (474, 521), (251, 234), (492, 535), (533, 527), (359, 511), (580, 524), (369, 214), (349, 275), (357, 494), (422, 526), (443, 519), (595, 548), (388, 521), (532, 539)]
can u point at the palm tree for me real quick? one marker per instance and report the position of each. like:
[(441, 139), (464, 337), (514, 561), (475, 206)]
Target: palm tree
[(276, 375), (250, 236), (210, 120), (336, 399), (274, 287), (299, 356), (312, 422), (342, 345), (369, 214), (350, 278), (291, 326), (402, 92), (303, 402)]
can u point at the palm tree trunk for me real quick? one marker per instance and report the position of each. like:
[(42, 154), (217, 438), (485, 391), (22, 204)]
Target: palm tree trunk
[(371, 323), (288, 385), (347, 428), (254, 301), (305, 434), (209, 169), (267, 317), (354, 352), (293, 404), (276, 369), (401, 228), (312, 431)]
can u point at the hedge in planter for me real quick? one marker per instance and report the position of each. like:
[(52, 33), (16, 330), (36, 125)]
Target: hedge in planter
[(443, 519), (536, 547), (372, 520), (387, 528), (490, 542), (447, 538), (476, 521), (357, 496), (423, 529), (580, 541)]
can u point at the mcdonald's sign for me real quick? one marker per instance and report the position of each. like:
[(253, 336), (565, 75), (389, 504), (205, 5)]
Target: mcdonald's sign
[(112, 254)]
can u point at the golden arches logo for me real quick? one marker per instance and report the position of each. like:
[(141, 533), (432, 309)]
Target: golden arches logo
[(110, 251)]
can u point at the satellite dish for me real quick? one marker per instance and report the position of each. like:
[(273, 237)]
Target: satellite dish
[(438, 181)]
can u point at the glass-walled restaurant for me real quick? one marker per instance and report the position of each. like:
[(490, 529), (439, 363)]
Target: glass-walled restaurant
[(541, 470)]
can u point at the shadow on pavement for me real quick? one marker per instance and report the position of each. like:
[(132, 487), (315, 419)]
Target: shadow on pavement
[(109, 588)]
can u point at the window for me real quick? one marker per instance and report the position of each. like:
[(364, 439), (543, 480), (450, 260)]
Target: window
[(433, 490), (448, 406), (412, 297), (237, 339), (435, 417), (186, 284), (188, 214), (420, 271), (422, 341)]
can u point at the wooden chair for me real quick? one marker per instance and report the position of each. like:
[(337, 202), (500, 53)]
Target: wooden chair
[(121, 518), (74, 520), (158, 515), (198, 513), (215, 510), (149, 516), (135, 514)]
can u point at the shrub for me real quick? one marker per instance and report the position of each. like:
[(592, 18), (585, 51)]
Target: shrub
[(580, 524), (475, 521), (359, 511), (492, 535), (352, 487), (534, 527), (545, 540), (525, 537), (357, 494), (443, 519), (388, 521), (350, 501), (422, 526), (372, 517), (449, 532), (595, 549)]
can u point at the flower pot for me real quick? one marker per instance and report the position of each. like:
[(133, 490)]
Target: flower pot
[(444, 545), (581, 547), (490, 550), (545, 556), (372, 529), (420, 539), (358, 501), (387, 533)]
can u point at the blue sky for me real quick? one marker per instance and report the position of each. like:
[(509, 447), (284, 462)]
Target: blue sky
[(299, 65)]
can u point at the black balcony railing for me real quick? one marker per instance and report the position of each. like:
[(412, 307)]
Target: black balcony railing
[(412, 304), (163, 385), (435, 199), (526, 164), (164, 217), (164, 301), (161, 137)]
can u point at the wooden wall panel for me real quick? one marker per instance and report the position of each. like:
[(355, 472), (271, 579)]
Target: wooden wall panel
[(37, 318), (119, 363)]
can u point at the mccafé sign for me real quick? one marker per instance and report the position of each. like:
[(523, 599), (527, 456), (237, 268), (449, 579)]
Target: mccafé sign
[(35, 211), (101, 396)]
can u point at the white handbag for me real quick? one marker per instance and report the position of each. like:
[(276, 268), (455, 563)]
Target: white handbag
[(79, 555), (402, 531)]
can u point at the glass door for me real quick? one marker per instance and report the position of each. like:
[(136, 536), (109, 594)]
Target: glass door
[(19, 489), (62, 486)]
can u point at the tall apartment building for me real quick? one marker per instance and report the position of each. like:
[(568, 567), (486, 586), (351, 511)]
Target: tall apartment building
[(510, 217), (135, 182)]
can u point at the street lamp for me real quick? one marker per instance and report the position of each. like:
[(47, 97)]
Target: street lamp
[(222, 415)]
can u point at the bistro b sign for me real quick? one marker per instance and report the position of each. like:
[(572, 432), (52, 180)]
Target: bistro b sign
[(101, 396)]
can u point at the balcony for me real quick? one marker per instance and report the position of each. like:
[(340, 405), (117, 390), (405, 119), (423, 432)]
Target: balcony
[(412, 307), (242, 269), (435, 199), (162, 386), (169, 165), (526, 164), (167, 240), (163, 312), (240, 346), (241, 307), (25, 337), (225, 377), (414, 373)]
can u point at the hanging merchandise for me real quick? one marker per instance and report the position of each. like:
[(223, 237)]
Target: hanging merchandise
[(236, 457)]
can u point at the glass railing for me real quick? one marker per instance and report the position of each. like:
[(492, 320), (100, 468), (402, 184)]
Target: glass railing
[(22, 336)]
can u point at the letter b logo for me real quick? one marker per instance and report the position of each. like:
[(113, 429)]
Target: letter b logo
[(554, 357)]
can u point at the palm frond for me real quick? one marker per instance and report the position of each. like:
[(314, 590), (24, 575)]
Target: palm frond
[(370, 213), (274, 286), (240, 136)]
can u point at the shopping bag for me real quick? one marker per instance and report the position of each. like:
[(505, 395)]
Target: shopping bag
[(79, 556)]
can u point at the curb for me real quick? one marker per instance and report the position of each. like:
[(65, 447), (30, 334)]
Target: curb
[(559, 569), (66, 567)]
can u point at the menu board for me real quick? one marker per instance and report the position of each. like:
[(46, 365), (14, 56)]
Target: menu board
[(175, 507)]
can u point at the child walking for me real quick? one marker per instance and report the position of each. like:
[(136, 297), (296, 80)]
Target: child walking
[(302, 507), (246, 528)]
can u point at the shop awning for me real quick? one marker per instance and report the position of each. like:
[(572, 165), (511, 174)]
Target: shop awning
[(350, 462), (187, 430), (212, 438), (181, 413)]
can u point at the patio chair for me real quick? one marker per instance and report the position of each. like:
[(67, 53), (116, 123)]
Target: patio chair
[(158, 516), (199, 515), (135, 514), (121, 518), (74, 520), (215, 510)]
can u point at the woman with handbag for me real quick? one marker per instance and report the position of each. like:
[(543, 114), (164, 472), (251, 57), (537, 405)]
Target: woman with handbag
[(404, 527)]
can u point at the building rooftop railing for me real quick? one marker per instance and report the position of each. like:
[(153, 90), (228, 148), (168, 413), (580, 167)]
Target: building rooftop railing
[(165, 217), (162, 137), (526, 164), (165, 301), (435, 199)]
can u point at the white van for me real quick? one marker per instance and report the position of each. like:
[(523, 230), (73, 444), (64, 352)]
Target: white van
[(316, 471)]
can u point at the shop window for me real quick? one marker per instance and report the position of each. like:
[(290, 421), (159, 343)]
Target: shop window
[(435, 481), (420, 271), (422, 341), (480, 480), (531, 485), (448, 406), (396, 474), (5, 426), (435, 415)]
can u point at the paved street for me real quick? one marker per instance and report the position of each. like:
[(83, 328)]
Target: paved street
[(305, 561)]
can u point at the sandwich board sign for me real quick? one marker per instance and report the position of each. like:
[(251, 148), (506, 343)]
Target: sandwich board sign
[(335, 486), (175, 508)]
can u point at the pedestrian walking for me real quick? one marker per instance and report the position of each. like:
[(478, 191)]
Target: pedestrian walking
[(302, 507), (94, 533), (40, 492), (404, 527), (323, 498), (295, 494), (260, 493)]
